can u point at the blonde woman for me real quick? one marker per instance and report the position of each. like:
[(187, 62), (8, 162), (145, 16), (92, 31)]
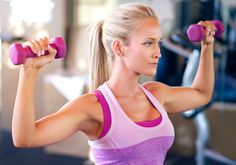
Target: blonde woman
[(125, 122)]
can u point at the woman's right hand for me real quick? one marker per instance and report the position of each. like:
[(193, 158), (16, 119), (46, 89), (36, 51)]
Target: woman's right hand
[(39, 47)]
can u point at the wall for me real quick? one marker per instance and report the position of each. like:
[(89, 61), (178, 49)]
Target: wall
[(10, 75)]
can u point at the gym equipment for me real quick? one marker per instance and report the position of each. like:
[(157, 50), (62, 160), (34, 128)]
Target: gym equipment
[(222, 93), (200, 119), (196, 33), (18, 53)]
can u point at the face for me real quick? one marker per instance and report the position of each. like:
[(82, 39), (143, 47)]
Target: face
[(143, 52)]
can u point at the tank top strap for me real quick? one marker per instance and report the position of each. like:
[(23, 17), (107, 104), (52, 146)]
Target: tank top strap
[(154, 101), (106, 113)]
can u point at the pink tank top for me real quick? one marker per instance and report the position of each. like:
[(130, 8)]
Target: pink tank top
[(124, 142)]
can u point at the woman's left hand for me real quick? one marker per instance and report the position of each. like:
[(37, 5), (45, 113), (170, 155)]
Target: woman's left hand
[(210, 30)]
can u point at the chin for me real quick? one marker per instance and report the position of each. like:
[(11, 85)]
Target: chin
[(150, 73)]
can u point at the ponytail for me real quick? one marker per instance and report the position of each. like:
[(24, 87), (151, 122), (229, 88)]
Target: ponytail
[(99, 67)]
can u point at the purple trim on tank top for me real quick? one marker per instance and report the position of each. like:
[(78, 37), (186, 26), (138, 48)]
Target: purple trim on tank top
[(150, 123), (107, 116), (106, 113)]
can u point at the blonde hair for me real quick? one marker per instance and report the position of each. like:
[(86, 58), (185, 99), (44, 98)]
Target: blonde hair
[(120, 24)]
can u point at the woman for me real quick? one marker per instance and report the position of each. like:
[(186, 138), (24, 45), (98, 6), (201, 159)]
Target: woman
[(125, 122)]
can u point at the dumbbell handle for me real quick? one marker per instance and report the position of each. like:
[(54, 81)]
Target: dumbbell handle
[(18, 53), (29, 53), (196, 32)]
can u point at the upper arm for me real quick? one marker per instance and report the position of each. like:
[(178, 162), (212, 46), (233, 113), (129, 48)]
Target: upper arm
[(63, 123), (177, 99)]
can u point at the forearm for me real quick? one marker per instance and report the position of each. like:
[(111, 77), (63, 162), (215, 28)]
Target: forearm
[(204, 79), (23, 123)]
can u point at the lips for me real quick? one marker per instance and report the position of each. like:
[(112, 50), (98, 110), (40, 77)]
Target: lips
[(154, 64)]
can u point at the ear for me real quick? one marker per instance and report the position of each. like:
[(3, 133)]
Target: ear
[(117, 47)]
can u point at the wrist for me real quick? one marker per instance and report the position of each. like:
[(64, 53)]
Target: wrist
[(29, 71), (207, 45)]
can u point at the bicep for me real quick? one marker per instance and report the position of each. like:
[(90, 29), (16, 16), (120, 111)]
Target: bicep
[(179, 99)]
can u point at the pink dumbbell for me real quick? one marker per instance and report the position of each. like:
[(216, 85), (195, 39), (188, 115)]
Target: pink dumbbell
[(196, 33), (18, 53)]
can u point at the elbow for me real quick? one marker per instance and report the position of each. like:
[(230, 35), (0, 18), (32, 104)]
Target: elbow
[(210, 96), (19, 143), (207, 98)]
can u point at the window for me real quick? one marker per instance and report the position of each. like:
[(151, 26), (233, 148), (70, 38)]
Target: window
[(30, 13)]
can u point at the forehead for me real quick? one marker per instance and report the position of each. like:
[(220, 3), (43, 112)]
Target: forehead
[(147, 28)]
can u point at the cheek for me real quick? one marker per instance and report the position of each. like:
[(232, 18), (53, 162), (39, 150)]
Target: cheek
[(136, 58), (137, 61)]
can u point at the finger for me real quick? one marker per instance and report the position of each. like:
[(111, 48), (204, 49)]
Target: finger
[(202, 23), (46, 40), (210, 27), (208, 31), (37, 46), (52, 51), (31, 45), (213, 32), (43, 45)]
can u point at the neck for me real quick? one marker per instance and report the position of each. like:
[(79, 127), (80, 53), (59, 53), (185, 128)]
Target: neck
[(123, 82)]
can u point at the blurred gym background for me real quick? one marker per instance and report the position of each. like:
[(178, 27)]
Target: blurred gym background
[(205, 136)]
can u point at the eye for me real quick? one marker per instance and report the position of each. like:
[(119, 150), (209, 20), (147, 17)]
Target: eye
[(160, 43), (148, 43)]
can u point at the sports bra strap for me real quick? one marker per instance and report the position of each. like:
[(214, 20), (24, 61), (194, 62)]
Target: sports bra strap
[(106, 113)]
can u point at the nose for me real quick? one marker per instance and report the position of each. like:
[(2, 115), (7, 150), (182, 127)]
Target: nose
[(156, 53)]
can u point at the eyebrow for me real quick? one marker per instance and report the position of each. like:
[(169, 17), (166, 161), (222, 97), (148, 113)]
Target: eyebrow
[(152, 38)]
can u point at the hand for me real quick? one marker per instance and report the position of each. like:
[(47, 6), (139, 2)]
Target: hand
[(210, 30), (39, 47)]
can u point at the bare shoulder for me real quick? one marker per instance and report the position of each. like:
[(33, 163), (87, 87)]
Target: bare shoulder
[(158, 89), (88, 104)]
